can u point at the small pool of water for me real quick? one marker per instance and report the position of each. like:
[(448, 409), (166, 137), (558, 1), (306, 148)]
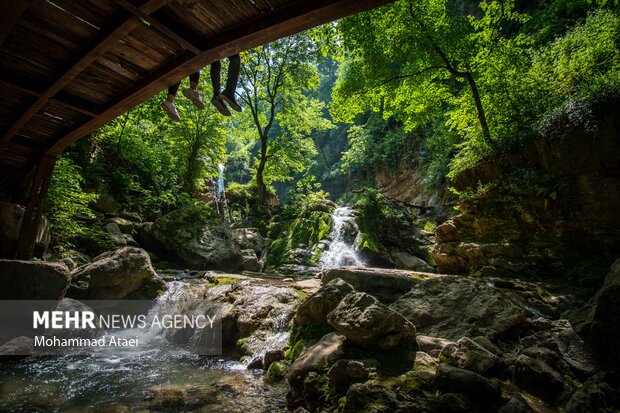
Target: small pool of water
[(100, 383)]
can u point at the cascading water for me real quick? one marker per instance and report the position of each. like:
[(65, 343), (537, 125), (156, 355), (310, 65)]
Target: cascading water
[(220, 181), (345, 236), (95, 382)]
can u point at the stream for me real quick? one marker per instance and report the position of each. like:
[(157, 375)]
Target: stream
[(124, 381)]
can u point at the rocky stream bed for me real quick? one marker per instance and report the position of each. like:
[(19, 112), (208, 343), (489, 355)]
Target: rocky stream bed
[(350, 340)]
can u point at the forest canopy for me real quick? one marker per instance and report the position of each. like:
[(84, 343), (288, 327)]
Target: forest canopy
[(440, 83)]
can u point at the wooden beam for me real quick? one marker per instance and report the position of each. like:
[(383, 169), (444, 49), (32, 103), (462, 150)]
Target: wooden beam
[(28, 91), (82, 63), (11, 12), (297, 17), (34, 209), (154, 23)]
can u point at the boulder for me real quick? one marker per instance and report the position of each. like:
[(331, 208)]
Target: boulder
[(453, 307), (278, 370), (468, 355), (477, 388), (385, 284), (249, 238), (367, 322), (595, 395), (315, 358), (367, 397), (199, 237), (406, 261), (131, 216), (123, 274), (19, 346), (271, 356), (33, 280), (315, 309), (432, 345), (346, 372), (517, 404), (538, 378), (71, 305), (125, 225), (564, 341), (597, 322), (250, 261), (116, 234), (10, 224)]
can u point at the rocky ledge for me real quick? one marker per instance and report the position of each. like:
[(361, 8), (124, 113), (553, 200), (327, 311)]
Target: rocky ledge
[(449, 343)]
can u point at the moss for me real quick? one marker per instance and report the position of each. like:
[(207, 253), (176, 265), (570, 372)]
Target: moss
[(430, 226), (301, 293), (294, 350), (367, 243), (242, 344), (223, 281), (307, 228), (300, 336), (276, 372)]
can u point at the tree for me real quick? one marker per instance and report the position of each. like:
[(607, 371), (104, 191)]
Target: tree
[(411, 57), (274, 79)]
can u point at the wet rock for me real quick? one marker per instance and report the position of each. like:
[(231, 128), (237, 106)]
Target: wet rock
[(468, 355), (384, 284), (249, 238), (316, 308), (476, 387), (367, 322), (597, 322), (70, 305), (407, 261), (125, 273), (250, 261), (33, 280), (346, 372), (277, 372), (453, 307), (271, 356), (200, 237), (540, 379), (255, 364), (19, 346), (595, 395)]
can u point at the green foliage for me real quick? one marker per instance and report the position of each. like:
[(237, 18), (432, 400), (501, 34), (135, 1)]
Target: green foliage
[(65, 200)]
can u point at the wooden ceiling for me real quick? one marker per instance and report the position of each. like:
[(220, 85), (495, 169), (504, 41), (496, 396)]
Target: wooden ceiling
[(69, 66)]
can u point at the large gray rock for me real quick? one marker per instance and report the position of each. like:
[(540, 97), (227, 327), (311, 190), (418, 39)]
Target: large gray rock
[(407, 261), (385, 284), (595, 395), (538, 378), (250, 261), (597, 322), (121, 274), (366, 321), (116, 234), (453, 307), (478, 388), (468, 355), (33, 280), (315, 358), (249, 238), (10, 224), (316, 308), (200, 237), (560, 337)]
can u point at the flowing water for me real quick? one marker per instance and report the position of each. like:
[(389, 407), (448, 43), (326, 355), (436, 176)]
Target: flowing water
[(345, 237), (220, 181), (105, 382)]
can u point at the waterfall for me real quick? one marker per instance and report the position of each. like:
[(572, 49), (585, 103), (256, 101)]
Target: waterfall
[(220, 181), (345, 237)]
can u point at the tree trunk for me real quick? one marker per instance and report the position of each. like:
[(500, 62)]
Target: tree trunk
[(260, 183), (486, 135)]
